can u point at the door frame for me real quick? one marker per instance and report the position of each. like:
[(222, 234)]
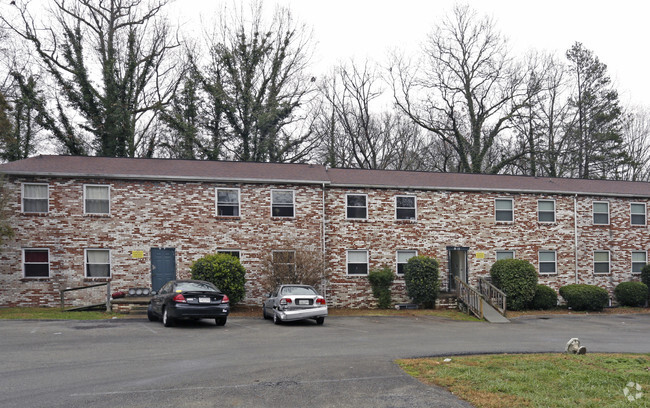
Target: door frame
[(450, 273), (152, 267)]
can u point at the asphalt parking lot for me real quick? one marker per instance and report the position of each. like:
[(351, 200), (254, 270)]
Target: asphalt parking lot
[(254, 363)]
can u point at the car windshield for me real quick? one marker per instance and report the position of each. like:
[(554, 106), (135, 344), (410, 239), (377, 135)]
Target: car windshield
[(194, 287), (298, 290)]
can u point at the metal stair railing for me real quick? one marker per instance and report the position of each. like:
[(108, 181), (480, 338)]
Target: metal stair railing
[(470, 296), (493, 295)]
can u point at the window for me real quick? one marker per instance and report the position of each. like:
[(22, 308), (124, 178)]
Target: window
[(98, 263), (357, 206), (284, 263), (601, 213), (36, 263), (601, 262), (357, 262), (639, 260), (230, 252), (35, 198), (96, 199), (505, 255), (282, 203), (547, 262), (405, 207), (503, 210), (545, 210), (402, 259), (228, 202), (637, 214)]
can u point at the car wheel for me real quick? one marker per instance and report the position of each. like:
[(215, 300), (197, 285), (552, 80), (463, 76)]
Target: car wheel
[(264, 315), (276, 319), (221, 321), (166, 319), (320, 320), (150, 315)]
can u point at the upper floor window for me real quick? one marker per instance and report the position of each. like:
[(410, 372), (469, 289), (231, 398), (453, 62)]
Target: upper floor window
[(35, 198), (228, 202), (545, 210), (547, 262), (601, 213), (405, 207), (282, 203), (36, 263), (639, 260), (601, 261), (505, 255), (402, 259), (357, 262), (504, 210), (98, 263), (357, 206), (96, 199), (638, 214)]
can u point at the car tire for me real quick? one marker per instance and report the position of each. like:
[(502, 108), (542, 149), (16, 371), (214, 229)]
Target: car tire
[(276, 319), (166, 319), (150, 315), (264, 315), (320, 320), (221, 321)]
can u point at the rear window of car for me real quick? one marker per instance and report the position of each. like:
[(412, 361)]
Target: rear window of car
[(298, 290), (195, 286)]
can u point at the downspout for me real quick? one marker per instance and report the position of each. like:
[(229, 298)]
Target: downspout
[(322, 237), (575, 234)]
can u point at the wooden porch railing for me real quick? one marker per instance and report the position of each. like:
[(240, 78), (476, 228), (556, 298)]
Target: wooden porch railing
[(493, 295), (108, 296), (470, 296)]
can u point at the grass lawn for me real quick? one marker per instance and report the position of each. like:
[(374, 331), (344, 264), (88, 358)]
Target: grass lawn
[(538, 380), (52, 313)]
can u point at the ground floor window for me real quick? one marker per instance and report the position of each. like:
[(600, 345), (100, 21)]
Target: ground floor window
[(357, 262), (639, 259), (402, 259), (547, 262), (505, 255), (284, 262), (98, 263), (231, 252), (36, 263), (601, 262)]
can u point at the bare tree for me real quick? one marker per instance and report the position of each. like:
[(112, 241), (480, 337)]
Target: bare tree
[(303, 266), (467, 89), (636, 133)]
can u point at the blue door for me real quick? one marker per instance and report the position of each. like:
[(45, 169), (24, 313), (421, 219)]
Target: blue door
[(163, 266)]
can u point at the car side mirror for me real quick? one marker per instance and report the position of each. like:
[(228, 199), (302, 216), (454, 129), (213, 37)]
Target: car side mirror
[(268, 295)]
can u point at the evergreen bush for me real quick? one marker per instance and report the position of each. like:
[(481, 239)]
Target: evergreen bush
[(422, 280), (381, 281), (545, 298), (584, 297), (631, 293), (517, 279), (225, 272), (645, 277)]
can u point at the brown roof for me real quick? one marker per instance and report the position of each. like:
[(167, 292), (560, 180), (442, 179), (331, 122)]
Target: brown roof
[(199, 170)]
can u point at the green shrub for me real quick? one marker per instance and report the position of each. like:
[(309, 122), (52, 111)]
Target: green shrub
[(381, 280), (584, 297), (224, 271), (422, 280), (517, 279), (545, 298), (631, 293), (645, 277)]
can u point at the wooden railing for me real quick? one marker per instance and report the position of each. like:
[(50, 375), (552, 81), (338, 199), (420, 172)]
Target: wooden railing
[(492, 295), (470, 296), (108, 297)]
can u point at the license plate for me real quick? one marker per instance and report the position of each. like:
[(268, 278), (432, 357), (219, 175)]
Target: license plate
[(303, 302), (204, 300)]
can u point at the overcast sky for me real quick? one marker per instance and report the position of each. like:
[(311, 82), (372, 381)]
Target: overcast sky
[(617, 31)]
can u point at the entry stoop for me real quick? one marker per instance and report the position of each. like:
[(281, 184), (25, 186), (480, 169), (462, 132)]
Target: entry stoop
[(136, 305), (447, 300)]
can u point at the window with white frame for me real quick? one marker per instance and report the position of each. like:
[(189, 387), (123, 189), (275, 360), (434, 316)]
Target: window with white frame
[(282, 203), (547, 262), (601, 262), (601, 212), (357, 262), (402, 259), (36, 263), (638, 214), (98, 263), (504, 209), (284, 262), (231, 252), (356, 206), (405, 207), (227, 202), (505, 255), (35, 198), (639, 260), (545, 210), (96, 199)]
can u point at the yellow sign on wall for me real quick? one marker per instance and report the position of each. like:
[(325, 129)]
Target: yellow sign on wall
[(480, 255), (137, 254)]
